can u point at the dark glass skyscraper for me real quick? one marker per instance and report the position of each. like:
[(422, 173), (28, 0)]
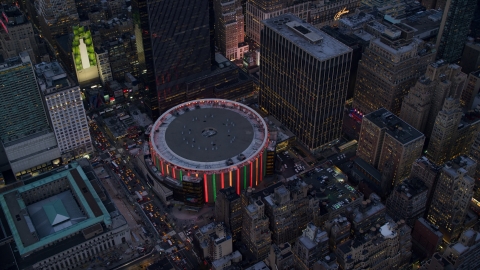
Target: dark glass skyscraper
[(177, 45), (454, 29)]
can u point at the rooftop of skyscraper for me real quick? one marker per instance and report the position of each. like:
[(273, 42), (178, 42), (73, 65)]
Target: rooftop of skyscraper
[(317, 43), (459, 164), (230, 193), (357, 20), (51, 77), (12, 15), (394, 126), (411, 187)]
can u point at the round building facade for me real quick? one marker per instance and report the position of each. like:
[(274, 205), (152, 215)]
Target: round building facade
[(209, 144)]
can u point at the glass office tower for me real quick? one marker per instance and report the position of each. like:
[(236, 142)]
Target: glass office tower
[(177, 45), (454, 29)]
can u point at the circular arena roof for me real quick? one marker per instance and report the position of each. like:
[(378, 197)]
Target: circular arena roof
[(209, 134)]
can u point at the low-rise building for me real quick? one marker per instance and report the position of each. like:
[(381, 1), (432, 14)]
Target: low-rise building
[(58, 221)]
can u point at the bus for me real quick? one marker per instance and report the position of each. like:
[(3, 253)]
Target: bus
[(114, 164)]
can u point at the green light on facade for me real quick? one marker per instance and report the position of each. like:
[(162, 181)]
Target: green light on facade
[(245, 177), (214, 188), (181, 175)]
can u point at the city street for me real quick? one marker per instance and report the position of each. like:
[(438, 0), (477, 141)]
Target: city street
[(142, 209)]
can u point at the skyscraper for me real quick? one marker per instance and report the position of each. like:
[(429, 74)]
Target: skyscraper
[(304, 80), (444, 131), (408, 200), (388, 143), (65, 108), (56, 17), (18, 35), (453, 133), (454, 28), (389, 67), (25, 132), (471, 89), (228, 209), (255, 232), (416, 104), (177, 46), (229, 28), (423, 102), (452, 196), (470, 61)]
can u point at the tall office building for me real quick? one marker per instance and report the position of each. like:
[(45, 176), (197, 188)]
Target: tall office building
[(65, 108), (177, 47), (452, 197), (56, 18), (444, 131), (389, 67), (471, 90), (228, 209), (17, 35), (408, 201), (389, 144), (453, 132), (304, 81), (428, 173), (255, 232), (416, 104), (25, 133), (470, 61), (421, 105), (449, 81), (454, 28), (229, 28)]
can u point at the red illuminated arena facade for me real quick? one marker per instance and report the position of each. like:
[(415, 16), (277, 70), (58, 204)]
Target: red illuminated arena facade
[(219, 142)]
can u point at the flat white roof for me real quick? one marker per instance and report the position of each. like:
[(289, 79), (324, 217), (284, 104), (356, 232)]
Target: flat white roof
[(310, 39)]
